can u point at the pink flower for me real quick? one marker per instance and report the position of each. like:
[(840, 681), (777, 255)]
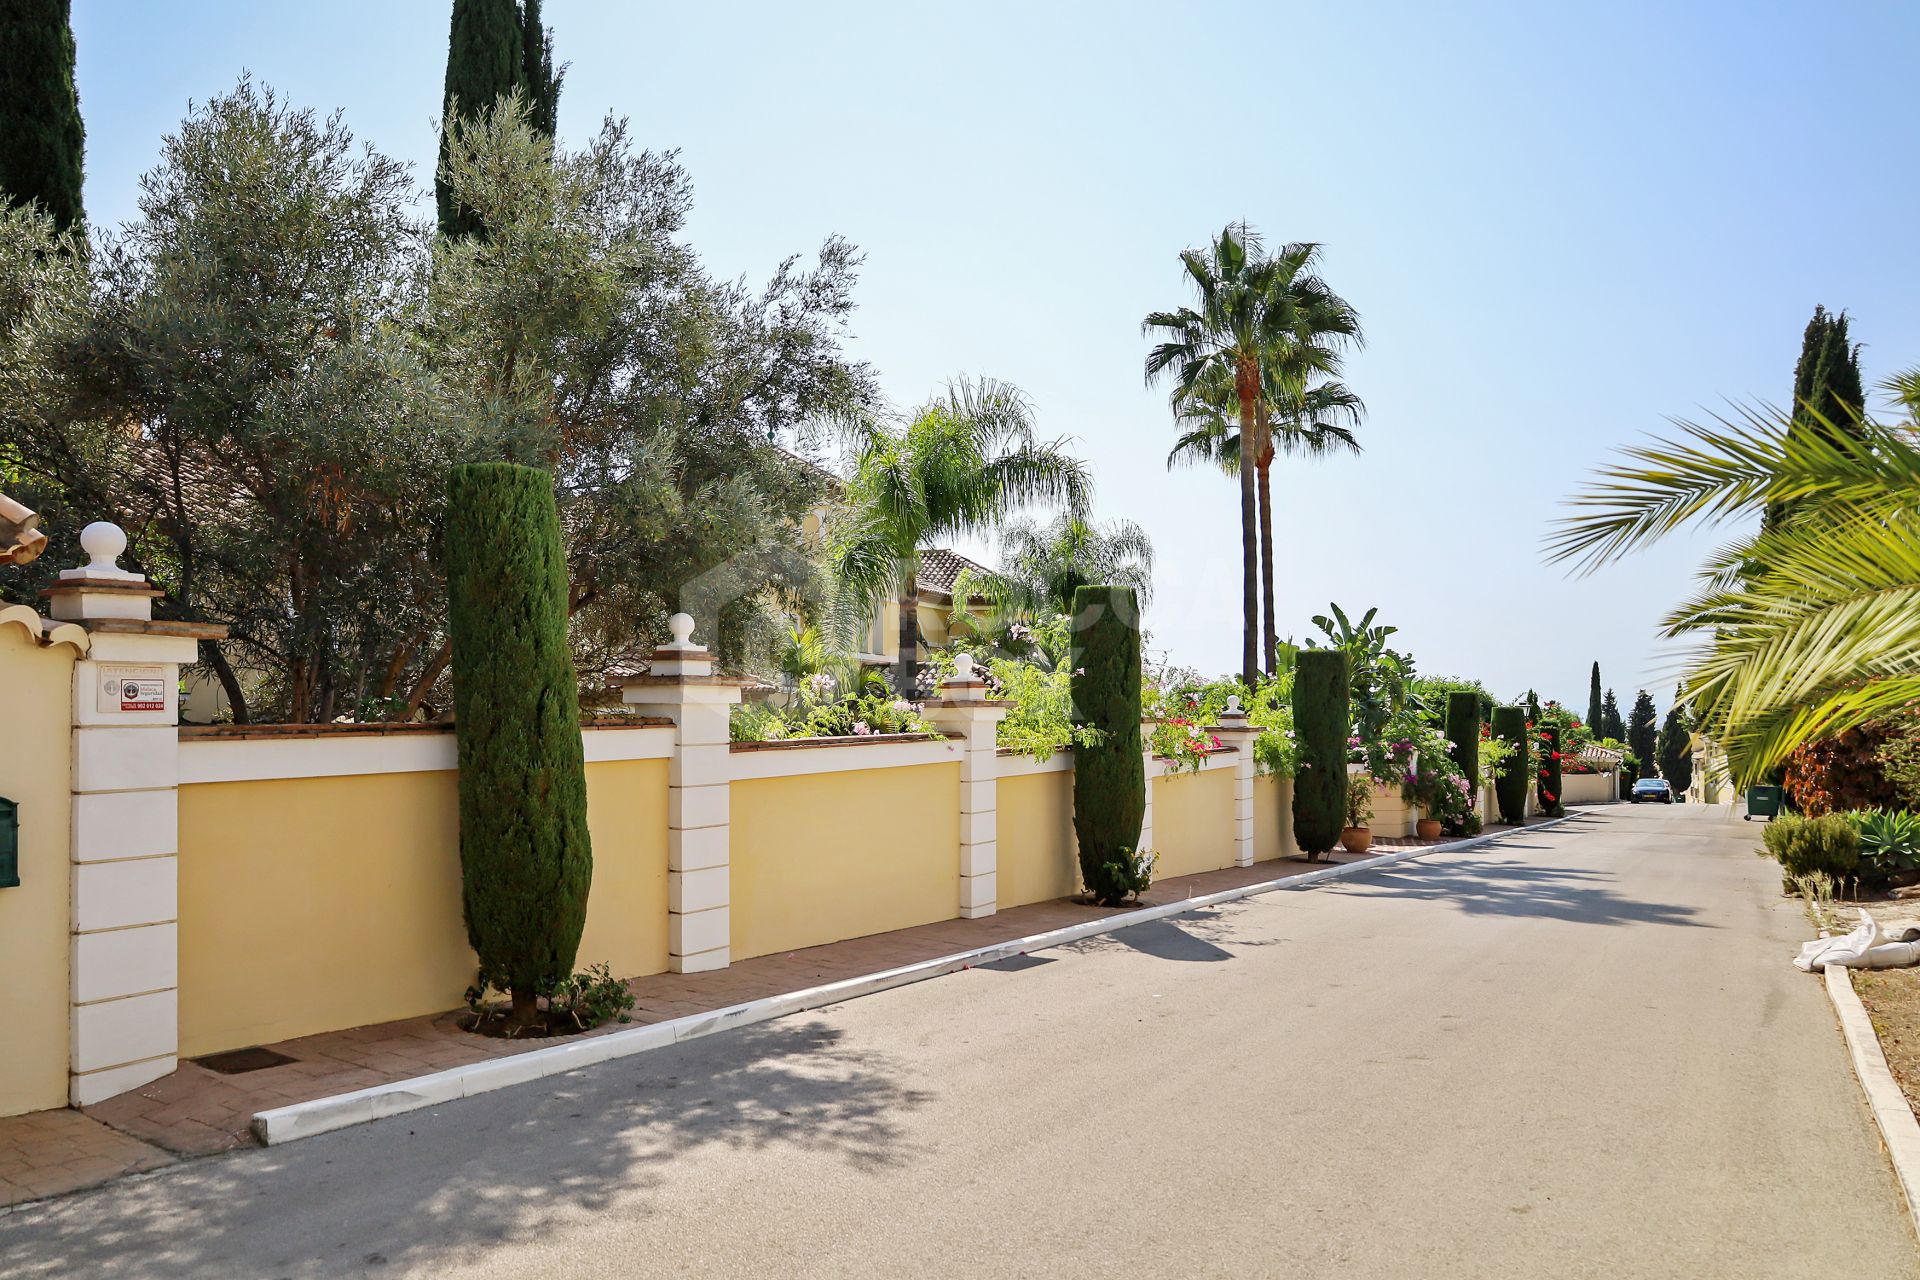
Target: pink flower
[(860, 727)]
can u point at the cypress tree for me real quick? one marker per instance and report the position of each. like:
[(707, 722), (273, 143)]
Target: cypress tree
[(1510, 788), (1463, 734), (1611, 725), (1827, 392), (1322, 722), (525, 861), (1110, 776), (42, 138), (1676, 756), (1533, 707), (493, 49), (1594, 702), (1642, 732)]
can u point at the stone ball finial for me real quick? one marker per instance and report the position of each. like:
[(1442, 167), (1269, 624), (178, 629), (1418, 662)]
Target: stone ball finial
[(963, 666), (1233, 705), (103, 541), (681, 625)]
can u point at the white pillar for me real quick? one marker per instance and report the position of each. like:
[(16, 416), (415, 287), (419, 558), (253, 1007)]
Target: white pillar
[(964, 711), (680, 685), (124, 960), (1151, 770), (1235, 732)]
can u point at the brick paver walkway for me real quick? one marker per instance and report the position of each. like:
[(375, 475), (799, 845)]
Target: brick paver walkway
[(197, 1111), (49, 1153)]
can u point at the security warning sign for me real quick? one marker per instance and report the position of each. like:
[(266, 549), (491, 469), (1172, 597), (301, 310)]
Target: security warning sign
[(133, 688)]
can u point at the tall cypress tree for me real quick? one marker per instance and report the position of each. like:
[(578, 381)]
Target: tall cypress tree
[(1676, 757), (1827, 392), (42, 139), (1611, 725), (1109, 776), (1595, 705), (1643, 733), (526, 859), (493, 49), (1322, 720)]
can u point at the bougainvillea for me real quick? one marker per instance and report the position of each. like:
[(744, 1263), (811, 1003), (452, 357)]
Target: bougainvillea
[(1842, 772), (1548, 774)]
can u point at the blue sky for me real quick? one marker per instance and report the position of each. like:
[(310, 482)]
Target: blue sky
[(1560, 224)]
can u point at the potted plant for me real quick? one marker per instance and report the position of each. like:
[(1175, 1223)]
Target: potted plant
[(1442, 792), (1356, 836)]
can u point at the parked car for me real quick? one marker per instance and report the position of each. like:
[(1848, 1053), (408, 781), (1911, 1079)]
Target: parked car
[(1652, 790)]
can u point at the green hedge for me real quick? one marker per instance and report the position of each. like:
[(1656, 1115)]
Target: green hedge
[(1463, 734), (525, 861), (1321, 726), (1805, 845), (1109, 775), (1510, 725)]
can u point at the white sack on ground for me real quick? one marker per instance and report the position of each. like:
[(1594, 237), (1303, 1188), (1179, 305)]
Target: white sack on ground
[(1849, 951)]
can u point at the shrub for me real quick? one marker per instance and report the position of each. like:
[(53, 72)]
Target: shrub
[(525, 860), (1321, 726), (1889, 842), (1803, 846), (1463, 731), (1359, 799), (1109, 775), (1510, 788), (1549, 772)]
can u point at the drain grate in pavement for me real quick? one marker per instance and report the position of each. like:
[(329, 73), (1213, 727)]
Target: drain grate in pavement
[(237, 1061)]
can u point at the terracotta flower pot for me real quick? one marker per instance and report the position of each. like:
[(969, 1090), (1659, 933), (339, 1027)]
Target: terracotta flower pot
[(1356, 839), (1427, 828)]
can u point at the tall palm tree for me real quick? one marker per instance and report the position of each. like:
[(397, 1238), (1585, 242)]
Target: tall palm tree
[(1045, 564), (1251, 308), (1810, 626), (1301, 414), (960, 464)]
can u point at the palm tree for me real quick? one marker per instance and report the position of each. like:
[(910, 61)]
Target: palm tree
[(1046, 563), (1301, 415), (1810, 626), (960, 464), (1251, 309)]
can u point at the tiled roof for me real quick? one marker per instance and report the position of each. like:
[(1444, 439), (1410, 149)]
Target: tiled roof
[(941, 568), (20, 536)]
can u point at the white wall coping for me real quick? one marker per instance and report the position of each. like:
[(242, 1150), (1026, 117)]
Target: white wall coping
[(1018, 766), (844, 756), (265, 759)]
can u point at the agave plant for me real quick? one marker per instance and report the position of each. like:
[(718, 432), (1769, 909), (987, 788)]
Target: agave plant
[(1889, 839), (1809, 626)]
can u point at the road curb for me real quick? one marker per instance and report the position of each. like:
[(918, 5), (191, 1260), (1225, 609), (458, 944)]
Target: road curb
[(338, 1111), (1899, 1131)]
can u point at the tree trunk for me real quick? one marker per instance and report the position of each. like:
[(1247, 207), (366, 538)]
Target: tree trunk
[(424, 685), (1265, 496), (526, 1008), (1247, 387), (906, 670), (229, 681)]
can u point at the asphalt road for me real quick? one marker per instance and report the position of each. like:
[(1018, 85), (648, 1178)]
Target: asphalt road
[(1578, 1053)]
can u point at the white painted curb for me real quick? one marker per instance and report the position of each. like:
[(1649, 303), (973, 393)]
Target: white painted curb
[(321, 1115), (1899, 1131)]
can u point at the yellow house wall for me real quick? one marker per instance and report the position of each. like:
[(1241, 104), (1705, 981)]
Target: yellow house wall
[(314, 904), (826, 856), (1038, 856), (1392, 816), (35, 708), (1192, 822), (1273, 818)]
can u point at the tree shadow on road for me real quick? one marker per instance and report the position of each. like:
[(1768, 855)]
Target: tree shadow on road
[(482, 1171), (1515, 888)]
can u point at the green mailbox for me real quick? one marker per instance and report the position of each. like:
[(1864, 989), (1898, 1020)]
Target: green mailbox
[(9, 844)]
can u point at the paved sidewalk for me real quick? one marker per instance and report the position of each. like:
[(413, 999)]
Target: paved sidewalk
[(196, 1111)]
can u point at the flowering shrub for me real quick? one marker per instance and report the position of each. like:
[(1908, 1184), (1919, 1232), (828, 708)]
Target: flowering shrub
[(866, 715), (1039, 720), (1184, 743), (1441, 790)]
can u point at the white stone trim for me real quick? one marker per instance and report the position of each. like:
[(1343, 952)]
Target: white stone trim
[(142, 758), (1018, 766), (791, 762), (267, 759), (119, 895), (97, 1086), (125, 962), (652, 742), (114, 1032), (125, 824)]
